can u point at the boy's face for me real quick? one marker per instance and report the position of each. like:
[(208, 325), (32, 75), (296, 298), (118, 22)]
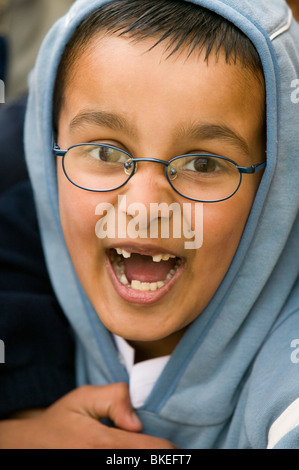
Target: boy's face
[(157, 108)]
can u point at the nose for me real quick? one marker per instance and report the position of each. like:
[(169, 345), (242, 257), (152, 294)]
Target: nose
[(149, 193), (149, 182)]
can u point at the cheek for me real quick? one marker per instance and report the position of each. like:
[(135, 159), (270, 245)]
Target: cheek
[(77, 215), (223, 226), (78, 219)]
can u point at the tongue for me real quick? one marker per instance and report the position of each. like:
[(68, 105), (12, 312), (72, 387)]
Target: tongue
[(142, 268)]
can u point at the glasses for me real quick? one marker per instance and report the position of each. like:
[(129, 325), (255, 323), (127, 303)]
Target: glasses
[(199, 177)]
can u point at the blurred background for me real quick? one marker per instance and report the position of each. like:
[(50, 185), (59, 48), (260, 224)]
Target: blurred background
[(23, 25), (294, 4)]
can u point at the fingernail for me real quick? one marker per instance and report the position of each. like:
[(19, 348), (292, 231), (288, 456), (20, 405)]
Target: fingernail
[(135, 419)]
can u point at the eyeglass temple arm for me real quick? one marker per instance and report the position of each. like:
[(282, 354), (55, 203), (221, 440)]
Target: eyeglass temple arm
[(57, 151), (252, 169)]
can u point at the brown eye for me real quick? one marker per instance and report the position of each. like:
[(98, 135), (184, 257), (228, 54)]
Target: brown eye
[(200, 164), (204, 165), (107, 154), (104, 154)]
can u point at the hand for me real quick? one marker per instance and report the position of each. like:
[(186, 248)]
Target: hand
[(73, 423)]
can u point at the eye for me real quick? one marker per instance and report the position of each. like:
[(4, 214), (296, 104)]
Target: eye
[(107, 154), (202, 164)]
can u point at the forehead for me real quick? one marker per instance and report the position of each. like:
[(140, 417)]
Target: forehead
[(114, 52), (103, 41), (146, 87)]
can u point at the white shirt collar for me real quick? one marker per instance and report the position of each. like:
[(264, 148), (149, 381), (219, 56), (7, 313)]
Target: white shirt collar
[(142, 375)]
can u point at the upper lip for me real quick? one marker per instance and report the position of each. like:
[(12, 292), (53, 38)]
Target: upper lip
[(144, 249)]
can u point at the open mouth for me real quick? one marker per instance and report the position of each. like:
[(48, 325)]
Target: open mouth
[(142, 272)]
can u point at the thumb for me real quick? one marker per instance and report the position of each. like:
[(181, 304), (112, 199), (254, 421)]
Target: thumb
[(112, 402)]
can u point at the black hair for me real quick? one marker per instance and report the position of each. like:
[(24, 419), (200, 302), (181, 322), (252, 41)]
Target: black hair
[(179, 23)]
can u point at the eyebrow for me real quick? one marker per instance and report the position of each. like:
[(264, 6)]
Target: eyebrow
[(102, 118), (195, 131), (215, 132)]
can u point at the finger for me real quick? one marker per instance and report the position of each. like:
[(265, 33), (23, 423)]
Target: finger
[(108, 401)]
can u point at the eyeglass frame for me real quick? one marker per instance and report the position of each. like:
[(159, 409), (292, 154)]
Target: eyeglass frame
[(252, 169)]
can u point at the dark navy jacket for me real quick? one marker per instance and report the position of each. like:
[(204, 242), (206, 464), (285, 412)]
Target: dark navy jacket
[(38, 344)]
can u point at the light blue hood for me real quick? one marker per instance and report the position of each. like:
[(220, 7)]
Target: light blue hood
[(215, 392)]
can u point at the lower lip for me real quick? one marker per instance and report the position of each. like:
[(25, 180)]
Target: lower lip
[(141, 297)]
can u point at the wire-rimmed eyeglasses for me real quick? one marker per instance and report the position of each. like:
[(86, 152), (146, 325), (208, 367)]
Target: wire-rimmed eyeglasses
[(200, 177)]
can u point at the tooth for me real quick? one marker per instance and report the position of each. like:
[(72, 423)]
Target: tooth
[(157, 258), (164, 257), (135, 285), (160, 284), (124, 253), (118, 268), (123, 279), (153, 286), (142, 286), (167, 256), (147, 286)]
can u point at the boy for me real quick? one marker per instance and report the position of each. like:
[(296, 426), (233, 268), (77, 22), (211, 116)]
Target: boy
[(165, 103)]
